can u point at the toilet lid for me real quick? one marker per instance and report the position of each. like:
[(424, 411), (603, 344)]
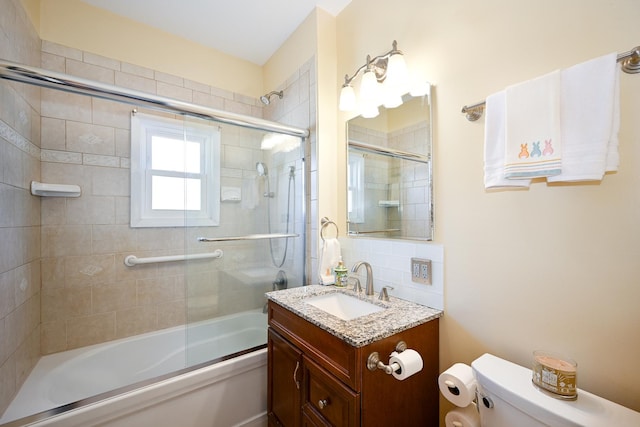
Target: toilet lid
[(512, 383)]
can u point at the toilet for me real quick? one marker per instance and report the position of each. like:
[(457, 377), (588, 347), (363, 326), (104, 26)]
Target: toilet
[(506, 397)]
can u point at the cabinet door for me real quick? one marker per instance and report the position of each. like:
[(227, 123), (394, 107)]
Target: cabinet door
[(284, 382)]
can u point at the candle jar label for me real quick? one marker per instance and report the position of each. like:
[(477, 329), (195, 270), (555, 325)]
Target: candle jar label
[(555, 375)]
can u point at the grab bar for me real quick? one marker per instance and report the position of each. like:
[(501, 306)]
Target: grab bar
[(132, 260), (248, 237)]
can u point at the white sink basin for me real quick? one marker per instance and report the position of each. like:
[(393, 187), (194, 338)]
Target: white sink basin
[(343, 306)]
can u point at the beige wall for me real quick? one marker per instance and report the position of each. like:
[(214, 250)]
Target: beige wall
[(554, 267), (76, 24)]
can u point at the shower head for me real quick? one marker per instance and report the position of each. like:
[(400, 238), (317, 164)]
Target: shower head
[(262, 169), (266, 98)]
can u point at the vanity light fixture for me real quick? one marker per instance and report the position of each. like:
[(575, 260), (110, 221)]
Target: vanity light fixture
[(384, 81)]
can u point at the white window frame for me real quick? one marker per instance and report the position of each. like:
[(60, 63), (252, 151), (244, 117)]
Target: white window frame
[(143, 128)]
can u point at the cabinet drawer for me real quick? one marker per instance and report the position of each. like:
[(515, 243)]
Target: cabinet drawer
[(329, 351), (329, 398)]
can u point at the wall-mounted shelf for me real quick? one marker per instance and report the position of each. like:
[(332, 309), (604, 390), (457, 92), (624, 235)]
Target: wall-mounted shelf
[(54, 190)]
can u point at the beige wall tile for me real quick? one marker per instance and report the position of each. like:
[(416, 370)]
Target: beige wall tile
[(53, 62), (63, 105), (8, 386), (97, 160), (136, 82), (101, 61), (123, 143), (90, 71), (157, 290), (174, 92), (137, 70), (53, 274), (87, 270), (53, 337), (54, 211), (110, 239), (60, 50), (61, 157), (172, 313), (90, 138), (53, 134), (66, 240), (168, 78), (110, 113), (110, 181), (113, 297), (136, 321), (88, 330), (90, 210)]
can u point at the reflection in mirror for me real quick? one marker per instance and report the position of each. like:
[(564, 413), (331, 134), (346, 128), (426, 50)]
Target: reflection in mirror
[(389, 172)]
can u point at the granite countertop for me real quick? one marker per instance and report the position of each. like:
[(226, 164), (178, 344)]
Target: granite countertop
[(399, 315)]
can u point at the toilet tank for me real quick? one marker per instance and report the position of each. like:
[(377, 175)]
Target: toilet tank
[(507, 398)]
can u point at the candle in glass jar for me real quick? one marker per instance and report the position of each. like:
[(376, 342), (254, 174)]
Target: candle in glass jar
[(555, 374)]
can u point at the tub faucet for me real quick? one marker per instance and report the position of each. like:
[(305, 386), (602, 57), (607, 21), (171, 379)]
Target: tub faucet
[(367, 266)]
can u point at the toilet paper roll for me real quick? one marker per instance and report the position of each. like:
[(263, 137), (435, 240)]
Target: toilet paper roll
[(462, 417), (458, 385), (409, 362)]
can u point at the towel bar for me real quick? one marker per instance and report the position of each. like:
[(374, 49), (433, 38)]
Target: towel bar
[(630, 64)]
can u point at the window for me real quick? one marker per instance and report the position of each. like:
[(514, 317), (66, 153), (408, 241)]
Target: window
[(175, 173)]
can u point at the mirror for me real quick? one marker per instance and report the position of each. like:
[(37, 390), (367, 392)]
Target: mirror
[(389, 172)]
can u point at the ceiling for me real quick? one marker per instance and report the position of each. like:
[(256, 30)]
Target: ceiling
[(248, 29)]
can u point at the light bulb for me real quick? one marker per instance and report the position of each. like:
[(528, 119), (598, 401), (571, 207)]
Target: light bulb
[(369, 89), (347, 98), (397, 74), (369, 111)]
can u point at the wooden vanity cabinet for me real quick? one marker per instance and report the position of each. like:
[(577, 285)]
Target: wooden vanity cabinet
[(316, 379)]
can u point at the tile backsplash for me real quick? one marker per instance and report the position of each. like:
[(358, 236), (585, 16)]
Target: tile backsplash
[(391, 264)]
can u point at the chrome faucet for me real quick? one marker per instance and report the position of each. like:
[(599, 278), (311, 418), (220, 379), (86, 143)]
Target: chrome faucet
[(367, 266)]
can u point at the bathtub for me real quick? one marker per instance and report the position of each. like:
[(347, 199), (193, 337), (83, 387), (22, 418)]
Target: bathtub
[(142, 380)]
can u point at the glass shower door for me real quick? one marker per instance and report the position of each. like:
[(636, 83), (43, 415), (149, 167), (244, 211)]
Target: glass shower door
[(260, 235)]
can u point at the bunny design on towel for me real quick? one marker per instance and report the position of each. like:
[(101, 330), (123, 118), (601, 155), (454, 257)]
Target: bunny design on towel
[(533, 117)]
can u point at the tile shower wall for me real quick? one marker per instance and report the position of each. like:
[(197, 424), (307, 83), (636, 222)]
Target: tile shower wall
[(88, 295), (298, 108), (19, 211)]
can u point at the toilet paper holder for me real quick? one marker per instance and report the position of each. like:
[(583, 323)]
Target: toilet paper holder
[(374, 362)]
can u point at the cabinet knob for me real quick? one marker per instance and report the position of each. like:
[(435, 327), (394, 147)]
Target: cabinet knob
[(323, 403)]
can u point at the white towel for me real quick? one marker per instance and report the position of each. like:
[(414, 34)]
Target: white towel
[(533, 147), (590, 119), (494, 145), (250, 192), (613, 156), (329, 256)]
